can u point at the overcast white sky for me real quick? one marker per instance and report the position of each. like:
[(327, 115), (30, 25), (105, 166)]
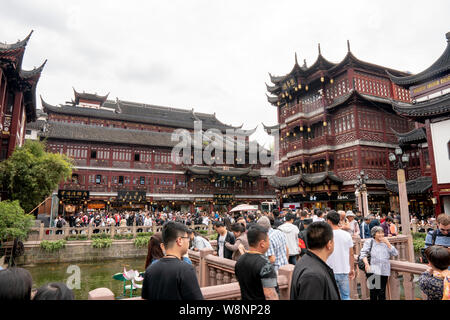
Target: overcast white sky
[(212, 55)]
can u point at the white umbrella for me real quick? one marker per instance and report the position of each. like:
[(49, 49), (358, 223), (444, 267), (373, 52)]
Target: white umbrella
[(244, 207)]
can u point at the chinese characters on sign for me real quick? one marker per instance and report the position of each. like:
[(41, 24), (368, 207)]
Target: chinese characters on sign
[(223, 198), (137, 196), (73, 195), (288, 84)]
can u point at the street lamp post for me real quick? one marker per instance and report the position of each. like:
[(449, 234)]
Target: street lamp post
[(400, 159), (361, 193)]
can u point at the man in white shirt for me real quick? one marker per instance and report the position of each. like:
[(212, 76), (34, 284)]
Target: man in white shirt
[(291, 231), (341, 260)]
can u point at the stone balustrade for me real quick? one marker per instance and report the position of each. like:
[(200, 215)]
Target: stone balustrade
[(218, 282), (52, 233)]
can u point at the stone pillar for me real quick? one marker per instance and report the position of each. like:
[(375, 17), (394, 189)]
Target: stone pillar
[(113, 230), (287, 271), (210, 228), (203, 268), (41, 232), (89, 231), (403, 198), (365, 203), (358, 198)]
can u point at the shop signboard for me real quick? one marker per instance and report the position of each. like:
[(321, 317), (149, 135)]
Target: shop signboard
[(223, 198), (73, 195), (131, 196)]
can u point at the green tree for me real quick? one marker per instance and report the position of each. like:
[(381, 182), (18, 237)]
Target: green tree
[(31, 174), (14, 223)]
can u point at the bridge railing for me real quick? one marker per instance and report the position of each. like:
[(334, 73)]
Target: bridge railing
[(217, 279), (53, 233)]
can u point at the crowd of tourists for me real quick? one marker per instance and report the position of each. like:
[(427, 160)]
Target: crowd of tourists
[(319, 243)]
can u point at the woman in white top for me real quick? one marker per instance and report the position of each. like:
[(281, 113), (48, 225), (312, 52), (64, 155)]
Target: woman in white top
[(148, 221)]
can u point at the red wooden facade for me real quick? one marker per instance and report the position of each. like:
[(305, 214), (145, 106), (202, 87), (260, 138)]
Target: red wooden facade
[(17, 96), (124, 146), (337, 118)]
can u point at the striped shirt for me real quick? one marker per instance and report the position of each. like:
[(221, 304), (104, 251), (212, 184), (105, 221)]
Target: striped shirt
[(277, 248), (441, 239)]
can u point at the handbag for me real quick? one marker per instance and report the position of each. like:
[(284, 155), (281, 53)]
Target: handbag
[(361, 264)]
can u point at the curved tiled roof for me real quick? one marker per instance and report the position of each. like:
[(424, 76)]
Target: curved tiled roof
[(142, 113), (311, 178), (414, 136), (416, 186), (441, 65), (83, 132), (229, 171), (425, 109)]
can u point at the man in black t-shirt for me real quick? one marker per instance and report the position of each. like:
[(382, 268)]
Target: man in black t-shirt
[(170, 278), (254, 272)]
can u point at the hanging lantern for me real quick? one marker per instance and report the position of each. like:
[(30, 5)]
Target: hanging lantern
[(295, 89), (278, 103), (310, 166), (328, 163), (303, 165), (290, 97), (294, 134), (281, 138), (299, 86), (282, 172), (322, 79), (309, 129), (324, 123), (306, 87), (287, 134), (301, 128)]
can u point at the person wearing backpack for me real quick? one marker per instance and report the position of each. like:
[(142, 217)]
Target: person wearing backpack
[(59, 224), (440, 236)]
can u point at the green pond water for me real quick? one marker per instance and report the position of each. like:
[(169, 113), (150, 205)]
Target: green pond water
[(92, 274)]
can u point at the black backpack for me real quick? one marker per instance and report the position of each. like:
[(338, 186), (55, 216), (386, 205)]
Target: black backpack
[(59, 224), (422, 251)]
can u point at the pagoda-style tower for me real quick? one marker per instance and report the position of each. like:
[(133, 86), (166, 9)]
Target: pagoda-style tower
[(430, 94), (17, 96), (336, 119)]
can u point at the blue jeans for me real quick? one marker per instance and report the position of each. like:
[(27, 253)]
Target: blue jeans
[(343, 284)]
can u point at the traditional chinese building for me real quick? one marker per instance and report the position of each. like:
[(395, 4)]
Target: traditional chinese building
[(335, 120), (122, 156), (17, 96), (430, 107)]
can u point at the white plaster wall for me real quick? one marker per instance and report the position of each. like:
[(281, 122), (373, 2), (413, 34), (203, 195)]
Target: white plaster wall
[(440, 133), (446, 200)]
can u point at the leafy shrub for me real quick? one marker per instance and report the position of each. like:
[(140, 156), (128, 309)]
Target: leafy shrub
[(101, 243), (419, 235), (144, 234), (100, 236), (14, 223), (51, 246), (141, 242), (418, 244), (127, 236), (74, 237), (203, 232)]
